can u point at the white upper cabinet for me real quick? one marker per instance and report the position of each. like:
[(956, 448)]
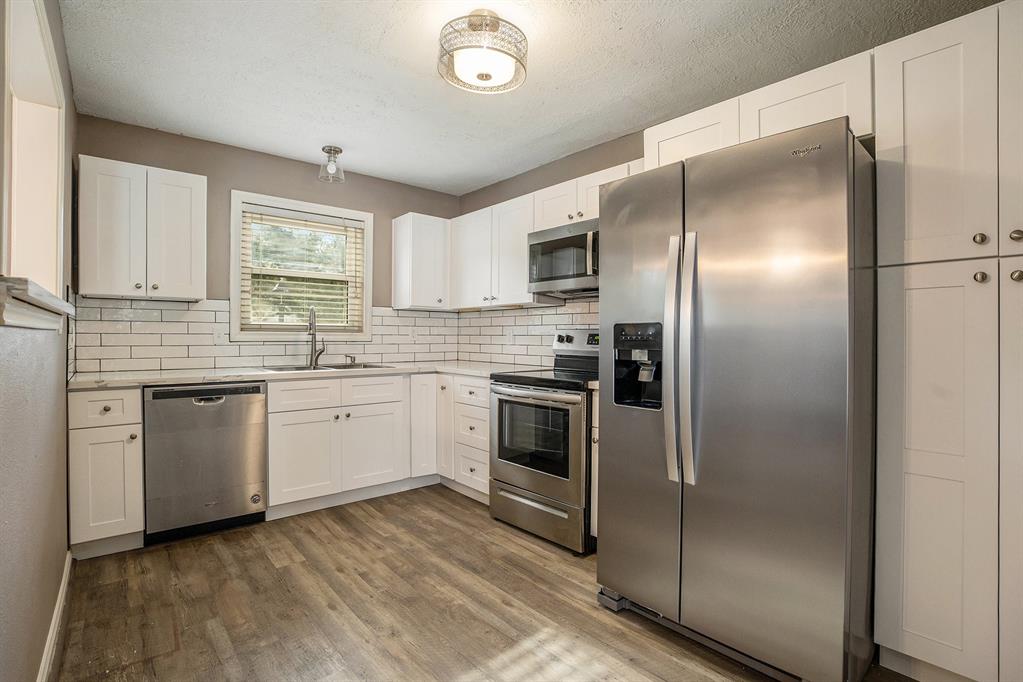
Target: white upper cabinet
[(636, 166), (175, 234), (470, 259), (843, 88), (423, 408), (421, 258), (936, 118), (936, 592), (702, 131), (375, 445), (588, 190), (1010, 128), (142, 231), (512, 222), (111, 228), (555, 205)]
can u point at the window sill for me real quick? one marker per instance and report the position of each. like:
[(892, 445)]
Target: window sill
[(23, 303)]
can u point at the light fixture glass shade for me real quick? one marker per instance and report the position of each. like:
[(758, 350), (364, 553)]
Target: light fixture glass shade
[(482, 52), (331, 170)]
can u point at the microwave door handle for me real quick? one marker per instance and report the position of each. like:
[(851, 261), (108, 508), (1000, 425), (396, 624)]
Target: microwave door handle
[(687, 313), (589, 253), (669, 376)]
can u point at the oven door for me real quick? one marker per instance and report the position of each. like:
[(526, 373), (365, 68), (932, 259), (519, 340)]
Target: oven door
[(538, 441), (563, 259)]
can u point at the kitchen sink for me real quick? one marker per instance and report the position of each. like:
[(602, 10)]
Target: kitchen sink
[(307, 368)]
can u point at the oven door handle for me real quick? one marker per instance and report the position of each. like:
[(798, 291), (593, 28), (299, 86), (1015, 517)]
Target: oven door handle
[(568, 398)]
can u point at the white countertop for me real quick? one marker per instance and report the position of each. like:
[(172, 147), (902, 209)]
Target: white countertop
[(84, 381)]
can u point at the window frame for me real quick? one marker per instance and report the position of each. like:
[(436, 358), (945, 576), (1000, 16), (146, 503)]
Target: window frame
[(238, 199)]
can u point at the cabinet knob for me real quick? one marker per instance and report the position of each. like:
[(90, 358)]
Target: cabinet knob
[(443, 388), (594, 439), (580, 214), (980, 277), (133, 436), (980, 238), (472, 470), (472, 392), (138, 285), (472, 428), (1016, 235), (486, 298), (570, 216), (336, 417), (440, 300), (106, 408), (1016, 275), (156, 286)]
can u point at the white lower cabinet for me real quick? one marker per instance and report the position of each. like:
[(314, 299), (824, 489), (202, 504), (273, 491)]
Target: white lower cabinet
[(423, 411), (305, 454), (105, 489), (445, 426), (472, 468), (375, 446), (1011, 472), (936, 596)]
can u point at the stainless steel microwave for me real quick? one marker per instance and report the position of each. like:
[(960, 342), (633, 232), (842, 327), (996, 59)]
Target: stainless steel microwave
[(563, 261)]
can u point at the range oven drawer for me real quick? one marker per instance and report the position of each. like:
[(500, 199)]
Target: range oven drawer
[(550, 519)]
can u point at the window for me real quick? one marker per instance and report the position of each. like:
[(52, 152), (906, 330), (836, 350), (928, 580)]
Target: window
[(290, 256)]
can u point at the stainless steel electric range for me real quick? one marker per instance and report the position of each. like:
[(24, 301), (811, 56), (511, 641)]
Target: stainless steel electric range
[(540, 446)]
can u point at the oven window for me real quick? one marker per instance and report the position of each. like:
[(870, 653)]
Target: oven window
[(534, 437), (556, 259)]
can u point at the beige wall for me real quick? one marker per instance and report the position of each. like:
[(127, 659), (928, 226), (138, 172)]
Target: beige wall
[(33, 460), (599, 157), (227, 168)]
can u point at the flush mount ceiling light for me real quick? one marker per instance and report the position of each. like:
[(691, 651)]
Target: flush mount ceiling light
[(330, 170), (483, 53)]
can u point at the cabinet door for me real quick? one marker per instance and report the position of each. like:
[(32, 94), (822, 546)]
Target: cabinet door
[(445, 426), (421, 255), (636, 167), (842, 88), (936, 96), (1011, 473), (555, 205), (471, 259), (424, 424), (1010, 128), (936, 596), (176, 234), (305, 454), (509, 269), (588, 189), (105, 494), (376, 445), (111, 228), (702, 131)]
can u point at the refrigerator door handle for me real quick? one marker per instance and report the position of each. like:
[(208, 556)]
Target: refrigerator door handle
[(686, 357), (669, 377)]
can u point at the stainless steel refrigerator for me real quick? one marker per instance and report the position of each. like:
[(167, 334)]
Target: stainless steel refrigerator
[(736, 372)]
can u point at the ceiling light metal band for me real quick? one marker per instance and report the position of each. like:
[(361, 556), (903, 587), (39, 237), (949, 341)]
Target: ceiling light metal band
[(489, 52)]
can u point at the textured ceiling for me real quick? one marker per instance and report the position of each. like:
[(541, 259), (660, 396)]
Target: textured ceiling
[(288, 77)]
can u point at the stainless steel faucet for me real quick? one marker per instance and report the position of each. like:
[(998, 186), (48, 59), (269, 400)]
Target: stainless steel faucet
[(314, 354)]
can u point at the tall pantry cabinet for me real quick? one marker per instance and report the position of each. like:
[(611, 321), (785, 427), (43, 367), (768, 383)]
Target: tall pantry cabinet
[(949, 546)]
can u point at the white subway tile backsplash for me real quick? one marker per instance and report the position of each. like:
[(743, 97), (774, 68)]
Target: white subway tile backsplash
[(179, 335)]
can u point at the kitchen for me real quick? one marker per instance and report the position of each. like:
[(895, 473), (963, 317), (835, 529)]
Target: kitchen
[(315, 366)]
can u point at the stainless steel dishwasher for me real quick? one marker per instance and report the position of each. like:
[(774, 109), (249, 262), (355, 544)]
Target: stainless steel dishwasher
[(205, 458)]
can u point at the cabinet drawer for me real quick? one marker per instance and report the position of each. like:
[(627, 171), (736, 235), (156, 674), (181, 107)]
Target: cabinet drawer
[(309, 394), (369, 390), (472, 426), (472, 468), (472, 391), (86, 409)]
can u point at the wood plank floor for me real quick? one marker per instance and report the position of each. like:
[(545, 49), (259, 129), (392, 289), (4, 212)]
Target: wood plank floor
[(415, 586)]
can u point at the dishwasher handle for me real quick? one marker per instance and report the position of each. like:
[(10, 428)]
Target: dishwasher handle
[(209, 400)]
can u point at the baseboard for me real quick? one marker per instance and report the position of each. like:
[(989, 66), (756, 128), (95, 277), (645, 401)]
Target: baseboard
[(281, 511), (915, 668), (482, 498), (118, 543), (49, 666)]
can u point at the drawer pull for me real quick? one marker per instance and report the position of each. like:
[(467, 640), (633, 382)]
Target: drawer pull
[(106, 408)]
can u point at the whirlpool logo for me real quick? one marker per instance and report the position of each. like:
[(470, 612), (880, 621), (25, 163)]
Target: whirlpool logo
[(806, 150)]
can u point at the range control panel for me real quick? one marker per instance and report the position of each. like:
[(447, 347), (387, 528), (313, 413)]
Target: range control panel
[(576, 342)]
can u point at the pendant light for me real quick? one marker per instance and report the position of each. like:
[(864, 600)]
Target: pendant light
[(481, 52), (330, 170)]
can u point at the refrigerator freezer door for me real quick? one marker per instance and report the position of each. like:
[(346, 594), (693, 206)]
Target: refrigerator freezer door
[(764, 526), (640, 506)]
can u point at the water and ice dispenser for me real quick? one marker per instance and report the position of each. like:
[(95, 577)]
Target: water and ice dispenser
[(638, 348)]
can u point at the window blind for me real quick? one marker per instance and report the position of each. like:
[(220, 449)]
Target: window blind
[(293, 261)]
